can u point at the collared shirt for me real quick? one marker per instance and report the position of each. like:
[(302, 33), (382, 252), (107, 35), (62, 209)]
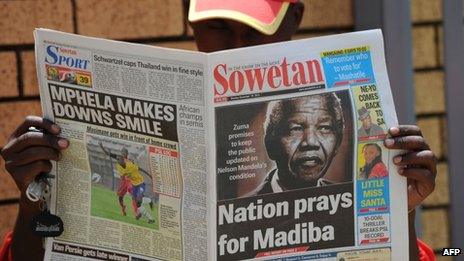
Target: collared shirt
[(277, 187)]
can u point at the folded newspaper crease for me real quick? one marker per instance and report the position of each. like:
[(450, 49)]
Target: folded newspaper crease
[(267, 152)]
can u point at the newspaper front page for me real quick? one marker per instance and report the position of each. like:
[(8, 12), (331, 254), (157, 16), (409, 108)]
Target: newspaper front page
[(272, 152), (301, 171), (132, 185)]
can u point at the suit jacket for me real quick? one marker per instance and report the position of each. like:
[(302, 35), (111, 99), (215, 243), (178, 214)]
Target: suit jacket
[(266, 186)]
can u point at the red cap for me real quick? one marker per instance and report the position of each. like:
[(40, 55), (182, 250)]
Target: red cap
[(263, 15)]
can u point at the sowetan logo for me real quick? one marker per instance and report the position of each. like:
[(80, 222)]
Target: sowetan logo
[(276, 76)]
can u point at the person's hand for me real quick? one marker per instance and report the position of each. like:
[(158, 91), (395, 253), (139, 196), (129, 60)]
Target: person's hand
[(28, 152), (418, 164)]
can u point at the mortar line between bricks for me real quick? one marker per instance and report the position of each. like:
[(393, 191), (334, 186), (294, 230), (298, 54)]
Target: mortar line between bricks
[(182, 38), (427, 23), (19, 74), (74, 16), (184, 12), (435, 207), (431, 115), (442, 135), (429, 69), (158, 39), (19, 99), (9, 201), (437, 44), (18, 47)]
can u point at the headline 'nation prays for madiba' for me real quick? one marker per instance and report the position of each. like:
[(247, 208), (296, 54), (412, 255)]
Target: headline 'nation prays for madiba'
[(304, 232)]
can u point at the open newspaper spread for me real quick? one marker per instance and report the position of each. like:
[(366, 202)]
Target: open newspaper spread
[(273, 152)]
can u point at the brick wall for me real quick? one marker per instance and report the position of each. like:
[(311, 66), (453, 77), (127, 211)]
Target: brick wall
[(145, 22), (140, 21), (427, 33)]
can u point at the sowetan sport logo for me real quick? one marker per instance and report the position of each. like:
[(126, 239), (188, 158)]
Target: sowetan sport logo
[(68, 65), (60, 56)]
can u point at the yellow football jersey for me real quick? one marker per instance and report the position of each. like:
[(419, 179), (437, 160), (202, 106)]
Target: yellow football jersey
[(131, 171)]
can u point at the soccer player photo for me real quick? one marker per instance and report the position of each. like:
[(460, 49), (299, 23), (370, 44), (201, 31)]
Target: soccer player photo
[(121, 182)]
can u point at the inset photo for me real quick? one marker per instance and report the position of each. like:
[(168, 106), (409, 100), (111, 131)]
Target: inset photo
[(122, 184), (372, 161), (370, 120)]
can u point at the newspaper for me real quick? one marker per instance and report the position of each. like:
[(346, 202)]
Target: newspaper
[(273, 152)]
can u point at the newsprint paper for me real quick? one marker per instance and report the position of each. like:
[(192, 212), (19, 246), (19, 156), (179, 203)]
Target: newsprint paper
[(271, 152)]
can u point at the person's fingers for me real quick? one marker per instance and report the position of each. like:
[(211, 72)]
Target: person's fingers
[(32, 154), (423, 158), (36, 122), (414, 142), (33, 138), (424, 179), (414, 198), (404, 130)]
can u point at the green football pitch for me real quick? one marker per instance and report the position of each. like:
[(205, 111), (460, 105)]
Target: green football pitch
[(105, 204)]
